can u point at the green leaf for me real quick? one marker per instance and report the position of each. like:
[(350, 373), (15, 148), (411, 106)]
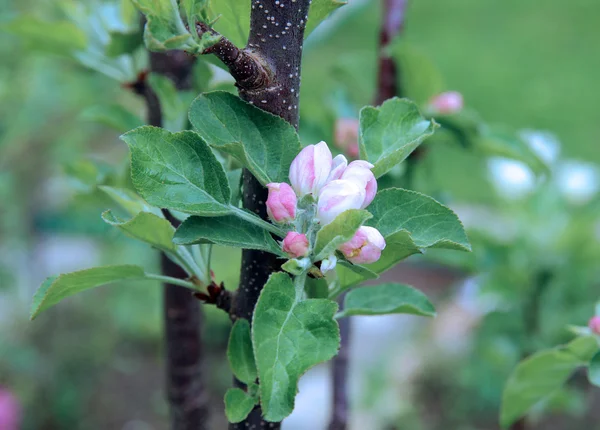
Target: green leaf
[(351, 274), (339, 231), (594, 370), (410, 222), (240, 353), (114, 116), (58, 37), (164, 28), (235, 183), (538, 376), (122, 43), (195, 10), (177, 171), (389, 133), (56, 288), (147, 227), (386, 299), (129, 201), (234, 19), (290, 335), (238, 404), (264, 143), (225, 230), (318, 11), (420, 79), (87, 174)]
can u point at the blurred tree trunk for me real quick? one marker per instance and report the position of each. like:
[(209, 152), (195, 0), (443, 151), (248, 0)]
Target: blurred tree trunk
[(392, 23), (187, 398)]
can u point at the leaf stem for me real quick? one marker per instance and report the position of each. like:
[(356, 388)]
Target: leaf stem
[(299, 283), (170, 280), (258, 221)]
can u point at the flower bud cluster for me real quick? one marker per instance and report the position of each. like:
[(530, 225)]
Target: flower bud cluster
[(335, 186)]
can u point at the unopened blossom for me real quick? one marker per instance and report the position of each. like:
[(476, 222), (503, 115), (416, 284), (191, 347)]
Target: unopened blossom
[(338, 166), (447, 103), (328, 264), (281, 202), (365, 247), (10, 411), (295, 244), (310, 169), (346, 136), (360, 172), (594, 324), (339, 196)]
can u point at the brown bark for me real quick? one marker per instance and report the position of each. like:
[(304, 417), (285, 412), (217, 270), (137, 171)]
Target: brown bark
[(267, 73)]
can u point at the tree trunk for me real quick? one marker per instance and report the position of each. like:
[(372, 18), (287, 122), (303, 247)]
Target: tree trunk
[(276, 39)]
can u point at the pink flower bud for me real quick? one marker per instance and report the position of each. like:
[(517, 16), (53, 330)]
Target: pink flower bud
[(336, 197), (447, 103), (594, 324), (365, 247), (346, 136), (359, 171), (281, 203), (10, 411), (295, 244), (310, 169), (338, 166)]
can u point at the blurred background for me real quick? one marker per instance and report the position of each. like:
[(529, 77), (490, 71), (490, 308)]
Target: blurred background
[(524, 68)]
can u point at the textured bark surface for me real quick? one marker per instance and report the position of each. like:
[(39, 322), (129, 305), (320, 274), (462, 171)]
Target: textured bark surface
[(187, 398), (275, 42)]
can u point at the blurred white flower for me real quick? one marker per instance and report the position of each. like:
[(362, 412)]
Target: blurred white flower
[(577, 181), (512, 179), (543, 143)]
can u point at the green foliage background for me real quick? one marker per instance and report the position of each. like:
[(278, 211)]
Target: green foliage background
[(520, 63)]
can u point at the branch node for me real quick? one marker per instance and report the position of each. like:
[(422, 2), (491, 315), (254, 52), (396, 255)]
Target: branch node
[(249, 72)]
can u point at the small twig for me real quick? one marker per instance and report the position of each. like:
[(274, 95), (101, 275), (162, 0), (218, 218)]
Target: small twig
[(217, 295), (245, 67)]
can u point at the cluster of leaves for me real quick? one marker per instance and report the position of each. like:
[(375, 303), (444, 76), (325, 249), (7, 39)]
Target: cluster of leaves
[(290, 332)]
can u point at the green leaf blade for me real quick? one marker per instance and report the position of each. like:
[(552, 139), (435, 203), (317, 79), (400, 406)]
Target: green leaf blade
[(264, 143), (289, 336), (390, 298), (177, 171), (338, 232), (594, 370), (410, 222), (55, 289), (146, 227), (389, 133), (238, 405), (539, 375), (240, 353), (227, 230), (319, 10)]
